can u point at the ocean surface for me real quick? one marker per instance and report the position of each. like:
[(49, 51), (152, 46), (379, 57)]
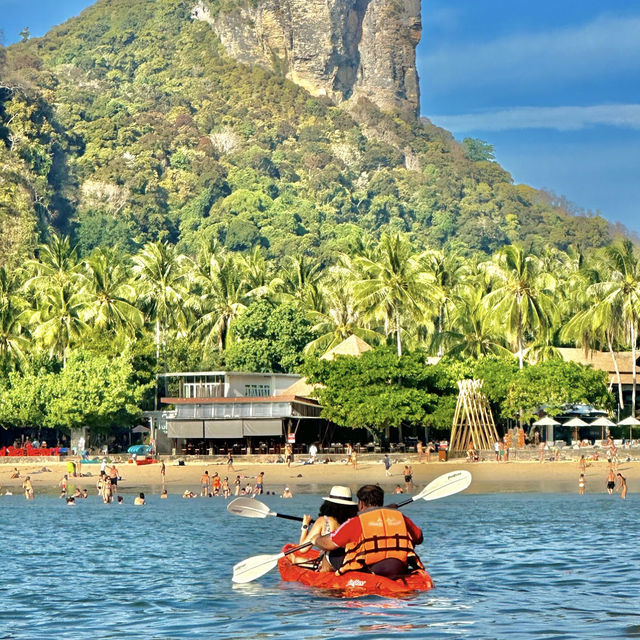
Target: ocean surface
[(505, 566)]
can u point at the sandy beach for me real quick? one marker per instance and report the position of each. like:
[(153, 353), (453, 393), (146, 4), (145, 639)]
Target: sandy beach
[(488, 477)]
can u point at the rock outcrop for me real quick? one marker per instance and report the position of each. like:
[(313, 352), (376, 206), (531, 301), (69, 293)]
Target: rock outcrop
[(343, 49)]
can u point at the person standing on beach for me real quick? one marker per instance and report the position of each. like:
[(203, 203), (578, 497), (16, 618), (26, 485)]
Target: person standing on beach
[(28, 488), (216, 484), (205, 483), (63, 486), (230, 460), (581, 484), (113, 475), (582, 464), (541, 451), (622, 485), (259, 488), (354, 458), (419, 450), (288, 454), (387, 464), (163, 474), (496, 450), (611, 481), (237, 485), (408, 478), (430, 449)]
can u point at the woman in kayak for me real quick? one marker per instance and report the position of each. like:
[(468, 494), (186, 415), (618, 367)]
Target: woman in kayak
[(337, 508)]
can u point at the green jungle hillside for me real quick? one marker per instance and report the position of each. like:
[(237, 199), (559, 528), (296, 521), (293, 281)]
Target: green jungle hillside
[(128, 124)]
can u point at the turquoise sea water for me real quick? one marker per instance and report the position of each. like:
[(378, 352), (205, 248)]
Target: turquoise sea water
[(505, 566)]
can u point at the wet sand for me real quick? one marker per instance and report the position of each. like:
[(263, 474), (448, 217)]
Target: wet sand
[(488, 477)]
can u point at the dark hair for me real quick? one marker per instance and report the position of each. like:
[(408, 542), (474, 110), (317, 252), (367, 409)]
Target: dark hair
[(341, 512), (371, 495)]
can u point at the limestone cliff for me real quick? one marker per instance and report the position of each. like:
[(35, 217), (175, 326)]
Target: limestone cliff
[(343, 49)]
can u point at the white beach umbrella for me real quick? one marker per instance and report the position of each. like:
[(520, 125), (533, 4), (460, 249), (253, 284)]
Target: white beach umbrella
[(575, 423), (545, 422), (631, 422), (603, 422)]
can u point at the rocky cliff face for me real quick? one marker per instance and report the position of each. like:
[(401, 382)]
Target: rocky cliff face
[(343, 49)]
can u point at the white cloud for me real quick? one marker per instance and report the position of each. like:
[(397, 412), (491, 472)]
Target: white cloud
[(571, 53), (560, 118)]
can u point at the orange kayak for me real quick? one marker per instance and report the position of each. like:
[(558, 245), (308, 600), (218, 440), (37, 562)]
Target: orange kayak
[(353, 583)]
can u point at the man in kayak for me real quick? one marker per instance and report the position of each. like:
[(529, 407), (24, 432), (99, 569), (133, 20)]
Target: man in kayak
[(378, 540)]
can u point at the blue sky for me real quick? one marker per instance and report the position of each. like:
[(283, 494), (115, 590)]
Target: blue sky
[(554, 86)]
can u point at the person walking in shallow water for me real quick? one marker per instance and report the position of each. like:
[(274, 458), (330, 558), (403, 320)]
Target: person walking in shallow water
[(611, 481), (622, 485), (581, 484), (28, 488)]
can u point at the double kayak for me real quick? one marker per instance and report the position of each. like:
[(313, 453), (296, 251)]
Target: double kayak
[(353, 583)]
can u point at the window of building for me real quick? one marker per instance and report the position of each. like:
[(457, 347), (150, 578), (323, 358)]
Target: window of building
[(257, 390)]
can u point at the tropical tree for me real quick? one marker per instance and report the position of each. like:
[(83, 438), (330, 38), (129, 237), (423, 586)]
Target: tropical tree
[(57, 263), (520, 296), (448, 270), (394, 285), (109, 294), (473, 332), (338, 316), (221, 293), (160, 278), (58, 319), (621, 291)]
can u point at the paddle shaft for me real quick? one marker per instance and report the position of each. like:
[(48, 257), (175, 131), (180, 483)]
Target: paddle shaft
[(286, 517)]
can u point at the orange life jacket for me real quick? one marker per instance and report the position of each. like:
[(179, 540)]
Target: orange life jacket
[(384, 535)]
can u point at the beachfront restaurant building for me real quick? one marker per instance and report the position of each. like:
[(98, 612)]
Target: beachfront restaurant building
[(214, 412)]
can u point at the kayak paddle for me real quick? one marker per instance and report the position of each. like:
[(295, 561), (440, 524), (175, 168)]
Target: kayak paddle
[(441, 487), (252, 508), (252, 568)]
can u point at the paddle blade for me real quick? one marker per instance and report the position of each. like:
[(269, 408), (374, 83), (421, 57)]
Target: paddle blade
[(252, 568), (445, 485), (249, 508)]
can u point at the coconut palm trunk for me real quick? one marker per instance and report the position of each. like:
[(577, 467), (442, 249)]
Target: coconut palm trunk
[(616, 369)]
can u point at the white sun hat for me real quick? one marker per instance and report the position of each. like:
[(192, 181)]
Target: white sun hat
[(339, 495)]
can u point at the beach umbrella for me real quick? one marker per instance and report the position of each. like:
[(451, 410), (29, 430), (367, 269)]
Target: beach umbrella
[(575, 423), (632, 422), (547, 421), (140, 429), (603, 422)]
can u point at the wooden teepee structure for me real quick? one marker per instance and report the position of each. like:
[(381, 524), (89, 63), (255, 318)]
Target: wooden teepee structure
[(472, 422)]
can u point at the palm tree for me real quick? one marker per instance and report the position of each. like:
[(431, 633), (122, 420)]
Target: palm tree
[(338, 316), (621, 291), (57, 263), (58, 320), (14, 339), (448, 270), (394, 285), (521, 296), (160, 277), (109, 294), (258, 274), (299, 281), (472, 331), (14, 316), (595, 326), (221, 294)]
